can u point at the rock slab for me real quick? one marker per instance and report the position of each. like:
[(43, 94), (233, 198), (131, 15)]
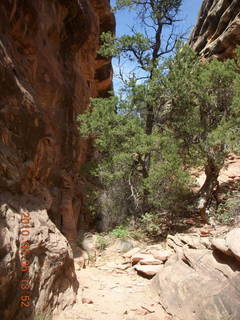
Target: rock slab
[(201, 284)]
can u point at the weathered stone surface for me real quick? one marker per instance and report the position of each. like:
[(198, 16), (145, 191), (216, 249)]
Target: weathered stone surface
[(179, 240), (233, 242), (131, 252), (199, 284), (49, 67), (141, 256), (148, 270), (150, 261), (51, 273), (89, 244), (162, 255), (217, 32), (123, 245), (220, 244)]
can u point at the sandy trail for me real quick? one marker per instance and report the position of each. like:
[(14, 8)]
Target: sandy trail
[(110, 293)]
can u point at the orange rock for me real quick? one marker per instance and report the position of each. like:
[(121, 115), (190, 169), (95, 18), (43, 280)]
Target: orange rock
[(148, 270), (162, 255), (141, 256)]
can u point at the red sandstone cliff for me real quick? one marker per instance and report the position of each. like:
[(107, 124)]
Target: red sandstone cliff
[(49, 68)]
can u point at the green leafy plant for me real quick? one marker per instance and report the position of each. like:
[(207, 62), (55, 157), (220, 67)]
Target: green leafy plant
[(177, 113), (120, 232), (138, 234), (228, 210), (150, 224), (102, 242)]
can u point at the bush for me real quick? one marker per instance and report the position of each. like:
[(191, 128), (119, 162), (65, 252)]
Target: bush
[(228, 210), (150, 224), (120, 232), (101, 242), (194, 113)]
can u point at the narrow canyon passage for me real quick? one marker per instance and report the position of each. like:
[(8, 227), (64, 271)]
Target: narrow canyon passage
[(109, 293)]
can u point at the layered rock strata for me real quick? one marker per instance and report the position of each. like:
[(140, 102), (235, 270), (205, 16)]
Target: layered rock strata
[(49, 68), (200, 281), (217, 32)]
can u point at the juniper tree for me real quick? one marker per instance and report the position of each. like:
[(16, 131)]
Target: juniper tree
[(145, 50), (201, 108), (176, 114)]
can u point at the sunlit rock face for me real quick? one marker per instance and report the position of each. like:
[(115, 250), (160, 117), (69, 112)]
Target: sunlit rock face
[(217, 32), (200, 281), (49, 68)]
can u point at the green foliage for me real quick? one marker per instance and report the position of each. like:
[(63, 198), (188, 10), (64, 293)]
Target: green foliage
[(120, 232), (159, 8), (202, 102), (228, 209), (193, 104), (117, 135), (109, 47), (120, 136), (138, 234), (150, 224), (101, 242), (145, 48), (224, 216), (179, 113), (167, 181)]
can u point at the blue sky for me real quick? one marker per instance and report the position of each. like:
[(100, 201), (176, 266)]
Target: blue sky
[(189, 13)]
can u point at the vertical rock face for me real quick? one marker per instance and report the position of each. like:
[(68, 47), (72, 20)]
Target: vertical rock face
[(217, 32), (49, 68)]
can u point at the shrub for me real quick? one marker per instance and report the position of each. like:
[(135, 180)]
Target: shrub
[(120, 232), (228, 210), (101, 242), (150, 224)]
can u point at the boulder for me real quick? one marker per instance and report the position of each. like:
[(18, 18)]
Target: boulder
[(131, 252), (233, 242), (162, 255), (141, 256), (123, 245), (148, 270), (50, 272), (199, 285), (190, 240), (220, 244), (150, 261)]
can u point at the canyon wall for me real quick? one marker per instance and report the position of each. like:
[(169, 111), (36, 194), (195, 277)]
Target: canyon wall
[(49, 67), (217, 32)]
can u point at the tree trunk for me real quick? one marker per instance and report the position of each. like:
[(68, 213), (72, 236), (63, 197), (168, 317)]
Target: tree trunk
[(209, 187), (69, 227)]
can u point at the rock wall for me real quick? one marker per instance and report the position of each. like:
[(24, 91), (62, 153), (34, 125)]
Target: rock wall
[(200, 281), (49, 68), (217, 32)]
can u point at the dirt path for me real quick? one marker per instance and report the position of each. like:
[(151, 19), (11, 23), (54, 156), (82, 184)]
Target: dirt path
[(109, 293)]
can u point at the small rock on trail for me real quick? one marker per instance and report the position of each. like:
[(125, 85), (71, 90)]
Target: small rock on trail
[(106, 294)]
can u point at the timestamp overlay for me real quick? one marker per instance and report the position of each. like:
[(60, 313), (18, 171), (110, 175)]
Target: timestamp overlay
[(25, 229)]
